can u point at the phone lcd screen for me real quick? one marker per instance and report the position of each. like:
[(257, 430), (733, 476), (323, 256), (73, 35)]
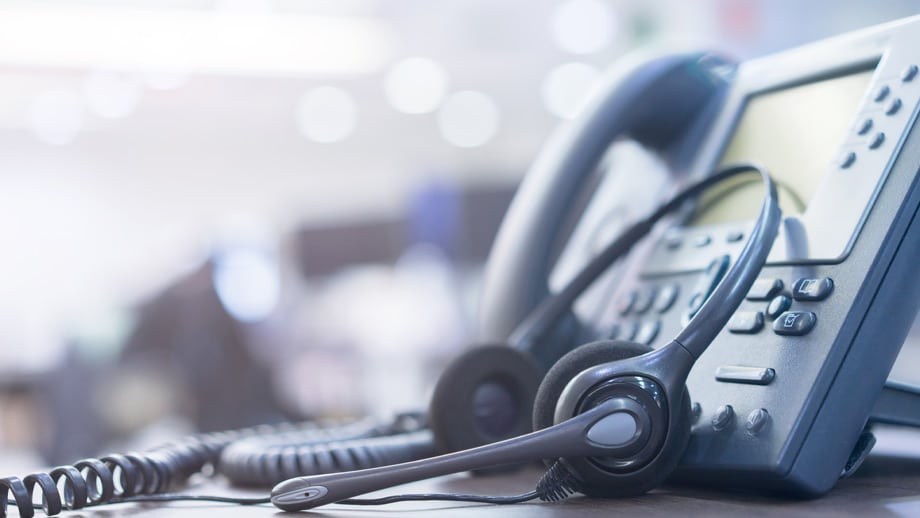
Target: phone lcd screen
[(795, 133)]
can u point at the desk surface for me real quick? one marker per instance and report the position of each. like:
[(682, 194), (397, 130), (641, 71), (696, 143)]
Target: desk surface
[(888, 484)]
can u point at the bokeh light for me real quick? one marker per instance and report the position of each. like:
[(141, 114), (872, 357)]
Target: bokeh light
[(415, 85), (566, 87), (327, 114), (110, 94), (583, 26), (468, 119), (56, 116)]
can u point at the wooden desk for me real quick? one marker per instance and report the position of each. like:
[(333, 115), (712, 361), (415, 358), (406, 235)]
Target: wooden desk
[(888, 484)]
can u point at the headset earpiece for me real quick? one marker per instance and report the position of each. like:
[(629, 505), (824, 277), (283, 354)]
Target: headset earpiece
[(572, 363), (484, 396), (627, 475)]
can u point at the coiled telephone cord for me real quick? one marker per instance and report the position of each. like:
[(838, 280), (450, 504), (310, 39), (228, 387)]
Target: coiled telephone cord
[(146, 477)]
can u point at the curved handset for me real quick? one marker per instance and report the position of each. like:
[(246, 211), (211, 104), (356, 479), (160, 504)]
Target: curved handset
[(656, 102)]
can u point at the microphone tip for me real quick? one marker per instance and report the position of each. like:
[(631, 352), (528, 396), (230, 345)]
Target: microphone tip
[(297, 494)]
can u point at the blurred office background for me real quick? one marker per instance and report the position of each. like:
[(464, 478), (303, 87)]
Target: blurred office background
[(221, 213)]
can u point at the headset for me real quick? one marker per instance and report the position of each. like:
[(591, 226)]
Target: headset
[(615, 414)]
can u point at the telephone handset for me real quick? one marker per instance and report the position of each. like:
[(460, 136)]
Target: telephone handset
[(663, 104)]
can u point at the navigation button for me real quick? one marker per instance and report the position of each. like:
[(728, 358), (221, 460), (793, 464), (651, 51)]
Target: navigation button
[(795, 323), (812, 289), (776, 306)]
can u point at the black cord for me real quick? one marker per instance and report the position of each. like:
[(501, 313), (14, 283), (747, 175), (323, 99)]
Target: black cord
[(450, 497)]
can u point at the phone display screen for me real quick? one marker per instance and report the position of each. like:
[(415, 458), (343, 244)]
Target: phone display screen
[(794, 132)]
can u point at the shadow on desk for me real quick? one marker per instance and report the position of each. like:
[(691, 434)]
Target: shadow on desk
[(887, 484)]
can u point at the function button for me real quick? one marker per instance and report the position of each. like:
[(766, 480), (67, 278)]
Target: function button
[(673, 242), (909, 73), (702, 241), (625, 302), (757, 420), (765, 289), (877, 140), (734, 236), (893, 107), (812, 289), (776, 306), (747, 322), (750, 375), (881, 93), (643, 302), (865, 126), (647, 332), (847, 159), (795, 323), (723, 418), (667, 294)]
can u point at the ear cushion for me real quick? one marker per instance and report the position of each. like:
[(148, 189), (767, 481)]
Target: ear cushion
[(569, 366), (484, 396)]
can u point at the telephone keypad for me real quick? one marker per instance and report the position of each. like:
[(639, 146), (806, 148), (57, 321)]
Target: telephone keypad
[(778, 305), (795, 323), (811, 290)]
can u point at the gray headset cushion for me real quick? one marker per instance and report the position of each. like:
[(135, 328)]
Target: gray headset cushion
[(569, 366), (452, 414)]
